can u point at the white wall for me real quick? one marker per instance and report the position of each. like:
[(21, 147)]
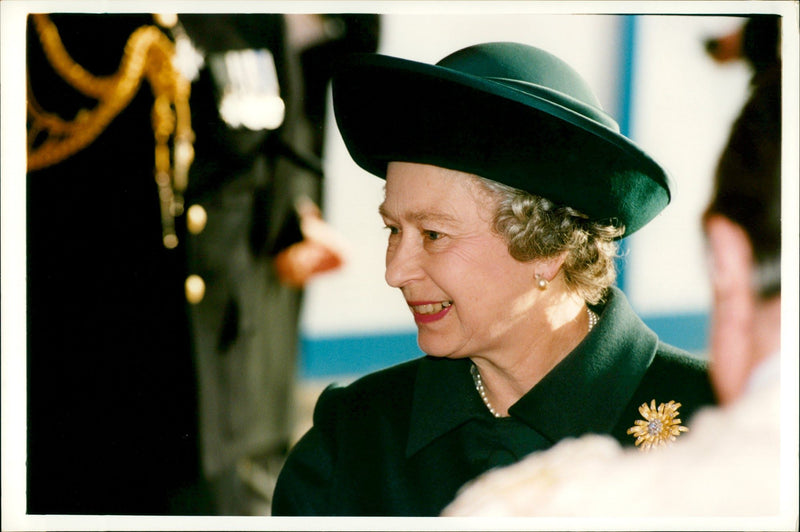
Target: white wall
[(682, 109)]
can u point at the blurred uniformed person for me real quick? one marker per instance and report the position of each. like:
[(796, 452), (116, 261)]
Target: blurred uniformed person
[(166, 160)]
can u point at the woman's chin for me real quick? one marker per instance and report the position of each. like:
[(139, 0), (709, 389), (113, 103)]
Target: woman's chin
[(437, 348)]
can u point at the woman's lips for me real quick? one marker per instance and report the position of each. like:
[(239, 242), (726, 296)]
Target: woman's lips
[(429, 311)]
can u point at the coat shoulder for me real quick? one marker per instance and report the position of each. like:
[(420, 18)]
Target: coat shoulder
[(356, 427), (669, 358), (682, 374), (676, 375)]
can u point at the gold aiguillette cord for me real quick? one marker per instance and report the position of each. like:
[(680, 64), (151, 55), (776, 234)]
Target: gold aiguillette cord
[(148, 54)]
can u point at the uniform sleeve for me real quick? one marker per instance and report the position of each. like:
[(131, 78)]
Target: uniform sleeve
[(305, 482)]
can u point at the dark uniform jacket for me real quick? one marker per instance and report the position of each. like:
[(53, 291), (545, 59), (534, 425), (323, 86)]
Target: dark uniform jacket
[(403, 440), (120, 366)]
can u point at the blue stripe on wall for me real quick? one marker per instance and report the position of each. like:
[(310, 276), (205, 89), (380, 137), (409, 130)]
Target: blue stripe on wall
[(355, 355), (627, 63), (322, 357)]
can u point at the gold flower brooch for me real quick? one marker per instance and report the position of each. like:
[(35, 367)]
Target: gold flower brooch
[(659, 427)]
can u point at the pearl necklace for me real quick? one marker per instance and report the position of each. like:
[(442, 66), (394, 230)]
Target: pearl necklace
[(476, 375), (476, 378)]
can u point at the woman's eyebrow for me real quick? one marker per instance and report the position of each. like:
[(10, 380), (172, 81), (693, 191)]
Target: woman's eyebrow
[(432, 216), (419, 216), (383, 211)]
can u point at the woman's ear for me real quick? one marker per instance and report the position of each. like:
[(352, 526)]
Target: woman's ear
[(730, 254), (548, 267)]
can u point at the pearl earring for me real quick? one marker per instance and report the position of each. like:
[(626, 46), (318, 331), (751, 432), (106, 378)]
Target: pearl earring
[(541, 282)]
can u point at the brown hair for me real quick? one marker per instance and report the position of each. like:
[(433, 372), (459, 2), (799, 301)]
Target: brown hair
[(748, 178)]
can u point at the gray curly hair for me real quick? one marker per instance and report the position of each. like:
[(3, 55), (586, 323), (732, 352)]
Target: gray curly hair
[(535, 227)]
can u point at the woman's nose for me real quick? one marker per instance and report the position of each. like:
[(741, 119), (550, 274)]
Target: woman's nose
[(403, 263)]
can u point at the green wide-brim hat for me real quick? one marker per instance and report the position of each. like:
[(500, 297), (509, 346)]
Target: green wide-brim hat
[(504, 111)]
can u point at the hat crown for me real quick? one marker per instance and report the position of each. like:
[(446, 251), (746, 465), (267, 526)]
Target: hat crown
[(521, 62), (531, 70)]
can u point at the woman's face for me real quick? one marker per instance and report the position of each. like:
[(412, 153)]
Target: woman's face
[(467, 294)]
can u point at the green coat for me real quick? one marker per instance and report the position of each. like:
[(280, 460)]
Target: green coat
[(403, 440)]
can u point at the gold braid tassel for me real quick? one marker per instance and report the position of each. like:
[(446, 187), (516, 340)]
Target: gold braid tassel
[(148, 54)]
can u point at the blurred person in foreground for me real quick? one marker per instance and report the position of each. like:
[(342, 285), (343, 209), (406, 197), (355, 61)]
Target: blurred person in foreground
[(728, 465), (507, 189)]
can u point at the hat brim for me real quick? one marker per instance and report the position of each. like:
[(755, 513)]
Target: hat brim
[(390, 109)]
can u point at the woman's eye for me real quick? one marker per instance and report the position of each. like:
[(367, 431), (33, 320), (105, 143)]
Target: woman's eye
[(392, 230), (433, 235)]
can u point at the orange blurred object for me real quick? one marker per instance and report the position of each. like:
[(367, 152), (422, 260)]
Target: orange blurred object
[(321, 250), (727, 47)]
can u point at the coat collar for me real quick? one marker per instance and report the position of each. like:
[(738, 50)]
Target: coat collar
[(585, 392)]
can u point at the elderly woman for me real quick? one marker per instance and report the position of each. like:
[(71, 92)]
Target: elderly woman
[(507, 188)]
